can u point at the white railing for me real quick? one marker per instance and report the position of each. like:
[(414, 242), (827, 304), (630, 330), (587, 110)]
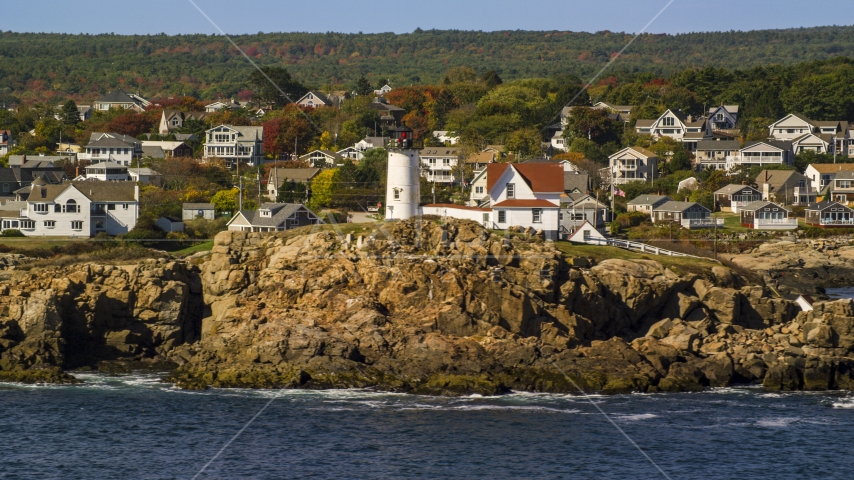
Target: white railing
[(690, 223), (115, 219), (637, 247), (827, 221), (775, 223)]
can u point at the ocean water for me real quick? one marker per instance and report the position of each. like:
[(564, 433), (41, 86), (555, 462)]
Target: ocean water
[(840, 292), (135, 427)]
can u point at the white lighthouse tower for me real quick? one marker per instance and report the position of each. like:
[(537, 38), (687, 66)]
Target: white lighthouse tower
[(403, 184)]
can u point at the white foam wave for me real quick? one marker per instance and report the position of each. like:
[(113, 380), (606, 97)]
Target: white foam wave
[(777, 422), (635, 417)]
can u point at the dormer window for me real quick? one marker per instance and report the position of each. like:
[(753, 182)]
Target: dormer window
[(668, 121), (265, 213)]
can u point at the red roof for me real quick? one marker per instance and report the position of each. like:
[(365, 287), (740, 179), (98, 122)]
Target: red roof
[(526, 204), (540, 177), (461, 207), (493, 171)]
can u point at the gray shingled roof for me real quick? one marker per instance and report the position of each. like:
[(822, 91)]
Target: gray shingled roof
[(647, 199), (732, 188), (279, 212), (707, 145), (825, 204), (673, 206), (573, 180), (153, 152), (753, 206), (198, 206)]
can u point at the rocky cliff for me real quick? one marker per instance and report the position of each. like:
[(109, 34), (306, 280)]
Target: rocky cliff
[(802, 265), (430, 307)]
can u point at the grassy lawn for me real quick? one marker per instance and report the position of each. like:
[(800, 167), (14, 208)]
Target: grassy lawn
[(199, 247), (732, 221), (679, 265), (32, 243)]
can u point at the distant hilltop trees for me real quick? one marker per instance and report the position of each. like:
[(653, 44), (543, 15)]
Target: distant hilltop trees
[(37, 67)]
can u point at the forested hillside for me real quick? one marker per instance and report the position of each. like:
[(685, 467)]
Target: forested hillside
[(38, 67)]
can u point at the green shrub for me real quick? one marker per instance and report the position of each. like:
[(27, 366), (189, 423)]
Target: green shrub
[(631, 219), (12, 233)]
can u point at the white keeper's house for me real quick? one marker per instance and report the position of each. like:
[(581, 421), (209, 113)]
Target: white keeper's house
[(516, 195)]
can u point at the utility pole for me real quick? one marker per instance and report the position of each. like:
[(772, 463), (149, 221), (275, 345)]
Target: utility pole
[(258, 177), (716, 236)]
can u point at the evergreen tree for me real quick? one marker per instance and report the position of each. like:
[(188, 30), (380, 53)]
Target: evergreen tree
[(69, 115), (264, 86), (491, 78), (363, 87)]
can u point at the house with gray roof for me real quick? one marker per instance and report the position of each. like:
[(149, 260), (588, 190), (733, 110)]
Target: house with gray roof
[(577, 208), (190, 211), (732, 197), (111, 147), (368, 143), (687, 214), (765, 215), (273, 217), (647, 203), (678, 126), (23, 172), (234, 144), (576, 182), (121, 99), (713, 153)]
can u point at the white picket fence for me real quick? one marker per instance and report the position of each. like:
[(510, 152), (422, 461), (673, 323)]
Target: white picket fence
[(639, 247)]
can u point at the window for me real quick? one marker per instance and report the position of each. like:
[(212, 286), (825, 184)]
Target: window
[(49, 223), (537, 215), (502, 216), (40, 207), (28, 224), (125, 206), (478, 190), (57, 208), (71, 207), (77, 225), (396, 194), (6, 187), (511, 190), (293, 222), (668, 121), (174, 122)]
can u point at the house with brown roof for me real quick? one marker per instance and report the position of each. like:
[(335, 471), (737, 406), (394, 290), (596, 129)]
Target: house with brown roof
[(76, 209), (786, 187), (439, 163), (822, 174), (278, 176), (314, 99)]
